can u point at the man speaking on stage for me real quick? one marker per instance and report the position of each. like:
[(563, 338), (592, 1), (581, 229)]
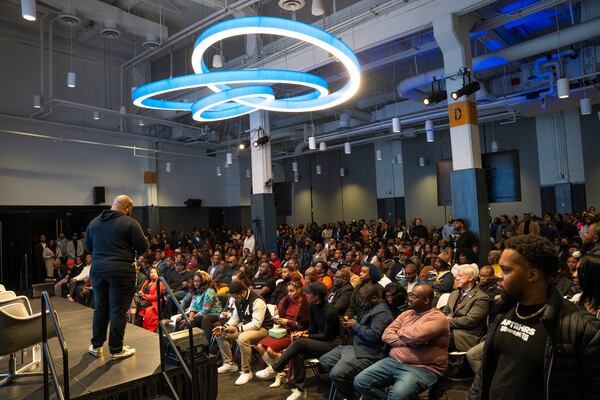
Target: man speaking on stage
[(113, 238)]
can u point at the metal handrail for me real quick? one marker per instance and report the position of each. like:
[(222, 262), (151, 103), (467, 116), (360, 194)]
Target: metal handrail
[(191, 375), (47, 308)]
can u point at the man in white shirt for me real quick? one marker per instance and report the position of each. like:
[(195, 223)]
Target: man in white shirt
[(249, 241)]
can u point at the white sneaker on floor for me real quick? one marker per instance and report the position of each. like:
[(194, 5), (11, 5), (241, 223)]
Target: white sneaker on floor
[(278, 378), (95, 352), (296, 394), (227, 368), (243, 378), (266, 373), (126, 352)]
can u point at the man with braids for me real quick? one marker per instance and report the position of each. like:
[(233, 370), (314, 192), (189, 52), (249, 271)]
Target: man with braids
[(540, 346)]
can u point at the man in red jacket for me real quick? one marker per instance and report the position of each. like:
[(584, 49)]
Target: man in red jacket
[(419, 351)]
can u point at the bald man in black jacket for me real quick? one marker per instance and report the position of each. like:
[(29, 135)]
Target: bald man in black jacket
[(113, 238)]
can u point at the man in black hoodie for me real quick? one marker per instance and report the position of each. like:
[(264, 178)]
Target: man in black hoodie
[(113, 238)]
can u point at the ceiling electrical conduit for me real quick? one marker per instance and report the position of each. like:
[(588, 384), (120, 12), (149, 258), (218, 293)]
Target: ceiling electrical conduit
[(585, 30)]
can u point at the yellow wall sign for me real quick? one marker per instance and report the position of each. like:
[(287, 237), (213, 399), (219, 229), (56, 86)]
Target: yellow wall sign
[(462, 113)]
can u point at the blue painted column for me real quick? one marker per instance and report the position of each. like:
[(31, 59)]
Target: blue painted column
[(467, 180), (262, 204)]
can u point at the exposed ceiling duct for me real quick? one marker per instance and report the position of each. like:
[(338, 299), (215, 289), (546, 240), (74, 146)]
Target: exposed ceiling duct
[(112, 17), (552, 41)]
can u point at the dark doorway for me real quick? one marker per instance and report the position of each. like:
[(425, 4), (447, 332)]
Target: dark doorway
[(216, 217)]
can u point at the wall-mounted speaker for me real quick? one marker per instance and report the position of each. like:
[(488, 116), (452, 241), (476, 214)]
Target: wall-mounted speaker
[(99, 194), (193, 202)]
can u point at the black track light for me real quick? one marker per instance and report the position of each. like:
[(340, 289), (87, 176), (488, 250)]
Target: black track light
[(437, 94), (244, 145), (260, 141), (466, 90)]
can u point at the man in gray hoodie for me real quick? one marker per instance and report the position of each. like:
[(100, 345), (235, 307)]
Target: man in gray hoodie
[(113, 238)]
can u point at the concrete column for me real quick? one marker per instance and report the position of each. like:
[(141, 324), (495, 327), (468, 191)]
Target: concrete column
[(469, 192), (262, 205)]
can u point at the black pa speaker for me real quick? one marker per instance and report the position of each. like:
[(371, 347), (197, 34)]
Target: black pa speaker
[(99, 195), (193, 202)]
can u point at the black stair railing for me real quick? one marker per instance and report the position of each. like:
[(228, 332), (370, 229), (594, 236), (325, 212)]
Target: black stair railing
[(165, 338), (49, 369)]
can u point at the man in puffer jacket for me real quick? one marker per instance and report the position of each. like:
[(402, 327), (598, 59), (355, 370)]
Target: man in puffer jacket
[(540, 346)]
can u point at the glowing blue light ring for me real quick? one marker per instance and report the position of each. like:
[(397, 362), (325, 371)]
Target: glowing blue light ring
[(202, 110), (143, 95), (288, 28)]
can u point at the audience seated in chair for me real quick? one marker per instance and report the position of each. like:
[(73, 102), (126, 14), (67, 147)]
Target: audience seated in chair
[(206, 306), (418, 355)]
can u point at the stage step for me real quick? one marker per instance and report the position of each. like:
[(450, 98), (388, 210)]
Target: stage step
[(163, 397)]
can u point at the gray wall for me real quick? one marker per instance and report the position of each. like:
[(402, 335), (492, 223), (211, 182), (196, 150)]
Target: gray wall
[(590, 132), (420, 183), (333, 197)]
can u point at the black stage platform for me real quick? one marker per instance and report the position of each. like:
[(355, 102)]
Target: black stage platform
[(137, 377)]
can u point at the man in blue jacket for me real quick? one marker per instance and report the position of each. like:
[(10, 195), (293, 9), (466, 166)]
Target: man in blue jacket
[(113, 238), (343, 363)]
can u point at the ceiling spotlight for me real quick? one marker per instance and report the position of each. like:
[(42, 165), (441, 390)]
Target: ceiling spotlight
[(71, 79), (261, 141), (562, 87), (316, 8), (96, 115), (466, 90), (28, 10), (37, 101), (437, 94), (151, 42), (312, 143), (585, 106), (243, 145), (396, 124), (322, 146)]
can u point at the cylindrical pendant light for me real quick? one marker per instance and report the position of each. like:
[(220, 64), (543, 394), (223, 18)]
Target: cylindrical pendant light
[(378, 155), (318, 169), (96, 115), (296, 176), (217, 61), (37, 101), (123, 110), (294, 166), (562, 88), (322, 146), (396, 125), (141, 122), (399, 158), (429, 131), (248, 174), (347, 148), (585, 106), (342, 172), (421, 161), (28, 10), (494, 146), (168, 166), (218, 171), (316, 8), (229, 158), (71, 79), (312, 143)]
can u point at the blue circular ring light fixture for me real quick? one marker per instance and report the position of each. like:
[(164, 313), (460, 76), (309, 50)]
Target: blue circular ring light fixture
[(229, 102)]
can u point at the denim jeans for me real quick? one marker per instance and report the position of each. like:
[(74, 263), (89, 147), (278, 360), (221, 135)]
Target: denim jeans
[(342, 365), (404, 381)]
